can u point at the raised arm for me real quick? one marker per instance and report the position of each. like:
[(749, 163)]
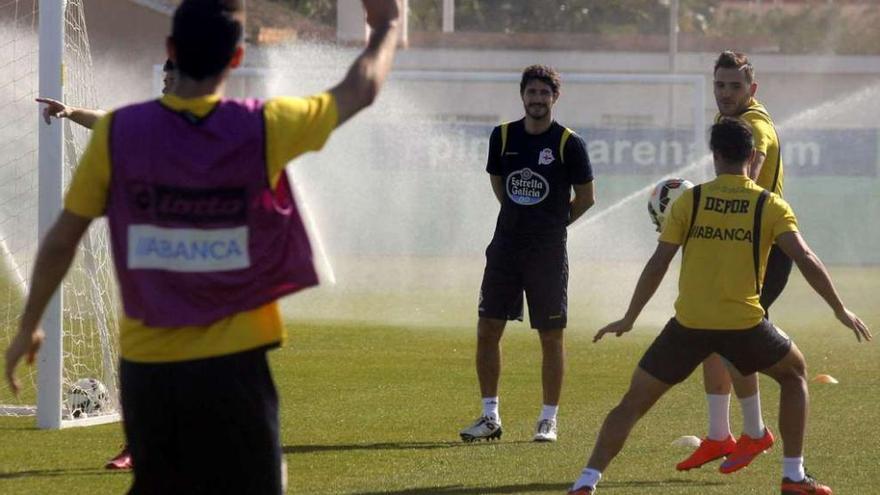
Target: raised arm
[(650, 279), (812, 268), (82, 116), (368, 72), (54, 257)]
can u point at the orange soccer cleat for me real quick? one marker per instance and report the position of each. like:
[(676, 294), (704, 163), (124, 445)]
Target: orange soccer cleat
[(708, 451), (747, 448)]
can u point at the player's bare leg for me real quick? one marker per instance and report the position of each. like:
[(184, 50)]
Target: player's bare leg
[(756, 437), (794, 403), (552, 373), (644, 391), (791, 374), (489, 333), (718, 442), (552, 365)]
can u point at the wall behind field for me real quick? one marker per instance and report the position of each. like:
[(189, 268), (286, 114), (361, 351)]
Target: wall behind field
[(410, 171)]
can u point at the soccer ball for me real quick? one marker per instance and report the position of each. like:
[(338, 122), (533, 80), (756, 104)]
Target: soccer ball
[(664, 194), (86, 396)]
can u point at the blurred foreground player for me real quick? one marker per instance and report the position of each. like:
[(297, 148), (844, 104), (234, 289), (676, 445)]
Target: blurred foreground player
[(206, 237)]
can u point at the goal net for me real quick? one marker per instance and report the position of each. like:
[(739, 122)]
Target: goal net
[(86, 345)]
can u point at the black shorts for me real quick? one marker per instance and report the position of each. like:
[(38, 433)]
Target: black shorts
[(538, 269), (678, 350), (202, 427)]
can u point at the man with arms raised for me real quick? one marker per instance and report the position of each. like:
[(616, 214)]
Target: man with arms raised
[(735, 87), (206, 237), (725, 228), (534, 164)]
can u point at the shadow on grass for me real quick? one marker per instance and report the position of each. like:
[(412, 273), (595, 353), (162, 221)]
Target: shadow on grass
[(308, 449), (49, 473), (541, 487), (19, 428), (672, 482), (472, 490)]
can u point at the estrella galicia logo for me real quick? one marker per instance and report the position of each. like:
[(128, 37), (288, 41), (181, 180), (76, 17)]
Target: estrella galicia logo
[(545, 157), (525, 187)]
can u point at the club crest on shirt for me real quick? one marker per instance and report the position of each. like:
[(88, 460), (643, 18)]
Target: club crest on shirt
[(545, 157)]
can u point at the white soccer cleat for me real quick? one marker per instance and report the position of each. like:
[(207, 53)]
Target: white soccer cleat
[(484, 428), (545, 431)]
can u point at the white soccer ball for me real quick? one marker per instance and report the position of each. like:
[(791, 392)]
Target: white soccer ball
[(664, 194), (86, 396)]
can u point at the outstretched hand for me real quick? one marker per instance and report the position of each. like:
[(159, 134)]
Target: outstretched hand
[(618, 328), (24, 345), (54, 108), (855, 324)]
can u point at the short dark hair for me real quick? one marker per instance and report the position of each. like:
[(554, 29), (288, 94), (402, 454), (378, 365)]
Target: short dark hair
[(543, 73), (730, 59), (732, 140), (169, 66), (205, 35)]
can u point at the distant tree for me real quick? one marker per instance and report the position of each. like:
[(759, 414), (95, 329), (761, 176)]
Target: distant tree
[(817, 29), (513, 16), (583, 16), (323, 11), (812, 30)]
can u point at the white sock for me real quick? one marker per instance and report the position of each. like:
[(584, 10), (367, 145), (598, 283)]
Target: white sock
[(753, 422), (589, 477), (548, 412), (793, 468), (719, 416), (490, 408)]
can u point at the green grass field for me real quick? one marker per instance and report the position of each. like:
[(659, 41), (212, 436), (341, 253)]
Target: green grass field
[(371, 408)]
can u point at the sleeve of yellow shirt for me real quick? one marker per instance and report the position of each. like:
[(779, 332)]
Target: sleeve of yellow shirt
[(676, 226), (762, 131), (782, 217), (295, 126), (87, 194)]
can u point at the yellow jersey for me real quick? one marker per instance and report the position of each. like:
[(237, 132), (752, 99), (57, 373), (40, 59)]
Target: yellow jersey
[(293, 127), (772, 175), (725, 240)]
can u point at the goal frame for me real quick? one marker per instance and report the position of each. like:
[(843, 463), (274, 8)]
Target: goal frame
[(50, 360)]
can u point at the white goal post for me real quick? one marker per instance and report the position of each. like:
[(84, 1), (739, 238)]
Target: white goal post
[(36, 160), (52, 72), (51, 158)]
